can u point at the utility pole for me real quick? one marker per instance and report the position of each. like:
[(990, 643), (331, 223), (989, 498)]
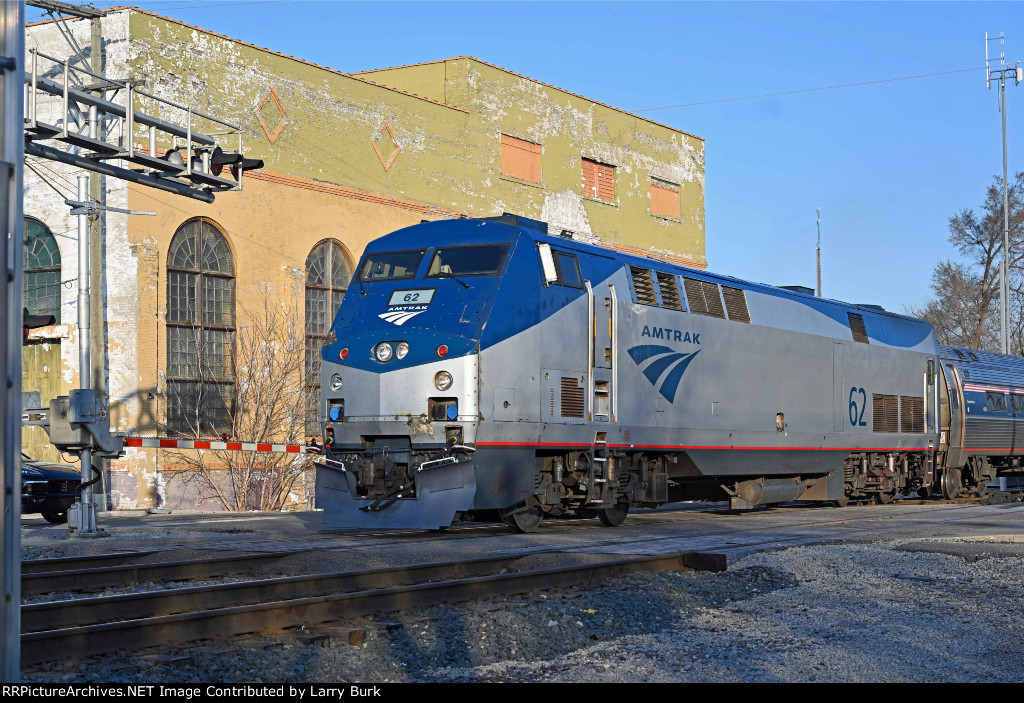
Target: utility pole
[(819, 252), (1000, 73), (98, 342), (12, 67)]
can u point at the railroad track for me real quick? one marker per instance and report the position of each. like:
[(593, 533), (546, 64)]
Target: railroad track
[(97, 572), (89, 626)]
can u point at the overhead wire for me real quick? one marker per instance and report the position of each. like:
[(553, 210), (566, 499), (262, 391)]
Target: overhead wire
[(811, 90)]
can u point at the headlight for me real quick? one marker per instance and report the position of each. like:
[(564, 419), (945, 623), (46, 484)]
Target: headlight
[(443, 380), (383, 351), (401, 350), (335, 382)]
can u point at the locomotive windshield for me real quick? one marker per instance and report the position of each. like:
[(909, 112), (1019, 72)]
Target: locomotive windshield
[(391, 265), (468, 261)]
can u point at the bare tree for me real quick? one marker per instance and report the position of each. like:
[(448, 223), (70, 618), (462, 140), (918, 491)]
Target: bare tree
[(267, 405), (965, 309)]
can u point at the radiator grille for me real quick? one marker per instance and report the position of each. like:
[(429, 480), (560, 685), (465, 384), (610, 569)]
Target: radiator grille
[(643, 285), (885, 411), (736, 304), (857, 327), (669, 291), (911, 415), (704, 297), (572, 398)]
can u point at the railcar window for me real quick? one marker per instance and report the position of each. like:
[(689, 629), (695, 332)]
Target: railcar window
[(995, 401), (391, 265), (568, 268), (1017, 402), (468, 261)]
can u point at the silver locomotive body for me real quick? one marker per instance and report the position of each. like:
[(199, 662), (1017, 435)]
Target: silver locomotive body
[(584, 381)]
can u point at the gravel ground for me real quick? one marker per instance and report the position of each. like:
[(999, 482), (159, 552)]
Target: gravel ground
[(855, 612)]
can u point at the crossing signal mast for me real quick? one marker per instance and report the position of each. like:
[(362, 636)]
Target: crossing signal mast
[(65, 109)]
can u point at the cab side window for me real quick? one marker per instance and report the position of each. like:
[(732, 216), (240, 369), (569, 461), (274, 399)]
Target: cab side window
[(567, 266)]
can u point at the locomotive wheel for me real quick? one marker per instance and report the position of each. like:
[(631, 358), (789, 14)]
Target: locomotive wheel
[(522, 521), (613, 517), (841, 503), (884, 498), (950, 483)]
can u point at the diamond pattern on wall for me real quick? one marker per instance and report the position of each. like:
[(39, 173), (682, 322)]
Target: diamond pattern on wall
[(272, 95), (389, 142)]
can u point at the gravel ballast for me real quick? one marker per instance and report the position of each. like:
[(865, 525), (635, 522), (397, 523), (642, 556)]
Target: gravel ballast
[(872, 611)]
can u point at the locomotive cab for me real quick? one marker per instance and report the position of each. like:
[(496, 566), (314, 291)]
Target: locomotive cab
[(401, 379)]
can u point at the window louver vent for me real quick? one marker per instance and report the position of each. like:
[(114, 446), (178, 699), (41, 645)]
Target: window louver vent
[(643, 285), (572, 398), (857, 327), (885, 412), (669, 291), (704, 297), (911, 415), (736, 304)]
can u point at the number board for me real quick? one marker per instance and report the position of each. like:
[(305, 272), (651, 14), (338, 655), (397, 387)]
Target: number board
[(412, 297)]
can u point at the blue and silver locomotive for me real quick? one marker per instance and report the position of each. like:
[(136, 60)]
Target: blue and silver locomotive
[(482, 368)]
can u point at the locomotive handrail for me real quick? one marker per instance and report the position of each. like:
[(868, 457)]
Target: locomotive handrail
[(332, 465)]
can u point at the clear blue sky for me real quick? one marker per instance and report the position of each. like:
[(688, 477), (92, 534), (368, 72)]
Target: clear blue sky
[(887, 163)]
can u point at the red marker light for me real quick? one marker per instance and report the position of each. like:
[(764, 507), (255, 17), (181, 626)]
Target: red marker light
[(442, 350), (344, 353)]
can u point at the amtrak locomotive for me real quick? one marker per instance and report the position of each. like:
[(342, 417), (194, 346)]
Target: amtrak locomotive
[(482, 368)]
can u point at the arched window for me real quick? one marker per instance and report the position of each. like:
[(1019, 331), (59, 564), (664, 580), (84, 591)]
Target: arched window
[(200, 330), (327, 276), (42, 270)]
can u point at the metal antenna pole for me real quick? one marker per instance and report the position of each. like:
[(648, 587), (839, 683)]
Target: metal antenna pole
[(819, 252), (1001, 73), (1006, 230)]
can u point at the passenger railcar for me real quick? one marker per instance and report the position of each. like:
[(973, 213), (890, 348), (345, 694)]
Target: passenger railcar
[(484, 368)]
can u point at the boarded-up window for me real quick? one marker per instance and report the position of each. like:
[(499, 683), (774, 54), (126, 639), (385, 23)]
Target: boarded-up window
[(664, 198), (598, 180), (520, 159)]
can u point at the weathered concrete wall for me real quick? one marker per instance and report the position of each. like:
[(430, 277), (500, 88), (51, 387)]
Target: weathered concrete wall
[(570, 127)]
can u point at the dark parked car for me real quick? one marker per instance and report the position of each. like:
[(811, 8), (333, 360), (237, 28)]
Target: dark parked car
[(48, 488)]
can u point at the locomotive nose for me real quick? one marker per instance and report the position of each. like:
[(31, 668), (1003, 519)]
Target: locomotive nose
[(400, 375)]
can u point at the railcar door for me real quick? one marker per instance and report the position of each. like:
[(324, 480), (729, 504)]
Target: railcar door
[(952, 439)]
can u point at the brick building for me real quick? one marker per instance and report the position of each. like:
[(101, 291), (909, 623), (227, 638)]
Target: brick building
[(349, 157)]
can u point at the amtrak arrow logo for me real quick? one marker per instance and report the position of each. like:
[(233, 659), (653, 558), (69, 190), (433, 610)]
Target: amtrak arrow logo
[(665, 363), (399, 317)]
